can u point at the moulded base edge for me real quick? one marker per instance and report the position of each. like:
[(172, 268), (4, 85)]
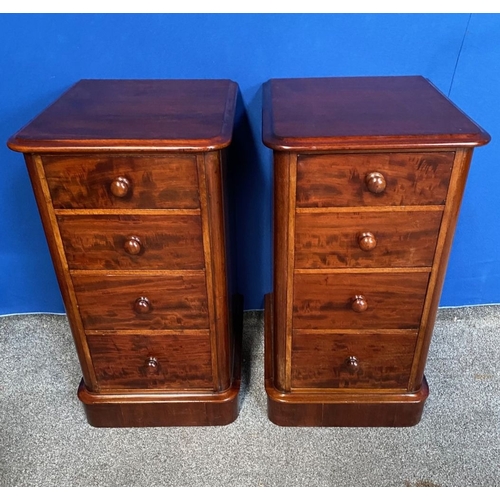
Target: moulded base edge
[(337, 409)]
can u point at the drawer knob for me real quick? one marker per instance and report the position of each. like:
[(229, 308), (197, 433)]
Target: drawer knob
[(120, 187), (142, 305), (352, 364), (152, 364), (367, 241), (359, 303), (375, 182), (133, 245)]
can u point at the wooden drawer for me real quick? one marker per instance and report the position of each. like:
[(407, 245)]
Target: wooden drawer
[(338, 300), (152, 361), (122, 181), (355, 361), (132, 242), (145, 302), (339, 180), (366, 239)]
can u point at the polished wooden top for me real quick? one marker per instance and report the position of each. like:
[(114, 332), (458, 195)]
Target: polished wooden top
[(363, 113), (134, 115)]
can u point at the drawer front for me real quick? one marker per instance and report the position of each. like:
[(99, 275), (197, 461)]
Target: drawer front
[(358, 300), (143, 302), (351, 179), (370, 239), (122, 181), (151, 361), (355, 361), (132, 242)]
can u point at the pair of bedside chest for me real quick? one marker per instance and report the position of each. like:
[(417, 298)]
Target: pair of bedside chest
[(130, 181)]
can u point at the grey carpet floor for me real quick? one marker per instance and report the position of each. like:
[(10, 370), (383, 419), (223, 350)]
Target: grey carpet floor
[(46, 441)]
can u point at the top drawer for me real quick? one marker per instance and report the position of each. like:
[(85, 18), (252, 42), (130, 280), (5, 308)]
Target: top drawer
[(344, 180), (122, 181)]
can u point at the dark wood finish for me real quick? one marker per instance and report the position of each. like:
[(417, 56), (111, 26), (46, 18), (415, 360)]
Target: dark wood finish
[(137, 115), (129, 179), (325, 301), (132, 241), (152, 361), (126, 182), (342, 408), (305, 114), (369, 175), (366, 239), (109, 302), (340, 180), (361, 361)]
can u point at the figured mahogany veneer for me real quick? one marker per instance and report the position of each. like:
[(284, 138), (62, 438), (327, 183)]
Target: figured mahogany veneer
[(368, 179), (129, 177)]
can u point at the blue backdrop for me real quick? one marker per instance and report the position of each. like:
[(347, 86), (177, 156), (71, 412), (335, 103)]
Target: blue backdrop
[(42, 55)]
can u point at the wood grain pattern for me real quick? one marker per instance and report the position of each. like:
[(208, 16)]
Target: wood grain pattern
[(85, 181), (42, 196), (165, 242), (134, 115), (107, 302), (325, 300), (340, 179), (331, 240), (438, 273), (321, 361), (283, 247), (363, 113), (182, 361)]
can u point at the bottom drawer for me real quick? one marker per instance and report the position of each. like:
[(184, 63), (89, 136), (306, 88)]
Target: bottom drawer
[(124, 361), (359, 361)]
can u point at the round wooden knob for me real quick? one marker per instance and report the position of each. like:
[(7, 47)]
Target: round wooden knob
[(375, 182), (120, 187), (133, 245), (142, 305), (352, 364), (367, 241), (152, 364), (359, 304)]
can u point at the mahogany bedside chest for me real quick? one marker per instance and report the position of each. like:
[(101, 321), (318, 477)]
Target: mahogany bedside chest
[(368, 179), (129, 177)]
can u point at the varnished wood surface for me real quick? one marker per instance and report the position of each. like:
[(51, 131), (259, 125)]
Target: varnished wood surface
[(322, 360), (339, 180), (163, 242), (138, 115), (308, 408), (84, 181), (332, 240), (325, 300), (181, 361), (108, 302), (363, 113)]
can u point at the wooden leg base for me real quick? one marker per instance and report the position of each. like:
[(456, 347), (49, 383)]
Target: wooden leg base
[(337, 409)]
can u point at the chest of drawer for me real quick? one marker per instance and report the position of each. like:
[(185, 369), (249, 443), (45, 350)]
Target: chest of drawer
[(127, 182), (132, 241), (358, 300), (368, 174), (352, 361), (377, 179), (124, 302), (366, 239), (152, 361), (131, 180)]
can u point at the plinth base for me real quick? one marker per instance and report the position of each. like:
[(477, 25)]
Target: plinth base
[(160, 409), (337, 409)]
